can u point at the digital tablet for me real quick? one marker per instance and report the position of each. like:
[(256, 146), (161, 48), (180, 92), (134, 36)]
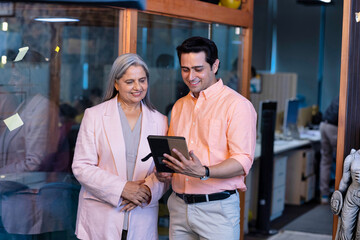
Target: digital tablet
[(163, 144)]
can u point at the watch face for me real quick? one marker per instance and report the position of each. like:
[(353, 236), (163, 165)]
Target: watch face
[(204, 178)]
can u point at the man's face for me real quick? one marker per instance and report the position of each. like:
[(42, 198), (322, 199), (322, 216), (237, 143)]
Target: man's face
[(197, 73)]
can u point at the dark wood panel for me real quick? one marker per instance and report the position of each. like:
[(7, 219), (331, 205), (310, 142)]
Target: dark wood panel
[(353, 100)]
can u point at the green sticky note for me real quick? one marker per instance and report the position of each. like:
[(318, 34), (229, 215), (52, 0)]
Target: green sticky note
[(13, 122)]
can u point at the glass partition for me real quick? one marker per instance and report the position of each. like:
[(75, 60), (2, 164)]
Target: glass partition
[(55, 61), (229, 41), (157, 39), (54, 64)]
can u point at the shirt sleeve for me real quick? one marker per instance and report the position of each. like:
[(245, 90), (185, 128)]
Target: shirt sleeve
[(241, 133)]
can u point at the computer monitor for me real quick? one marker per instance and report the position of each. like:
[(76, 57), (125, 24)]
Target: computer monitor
[(290, 128)]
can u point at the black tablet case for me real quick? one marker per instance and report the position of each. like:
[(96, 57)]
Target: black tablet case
[(163, 144)]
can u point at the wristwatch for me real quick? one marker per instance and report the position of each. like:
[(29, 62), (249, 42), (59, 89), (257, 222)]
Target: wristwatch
[(207, 174)]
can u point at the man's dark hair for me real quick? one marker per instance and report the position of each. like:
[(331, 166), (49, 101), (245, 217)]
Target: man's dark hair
[(199, 44)]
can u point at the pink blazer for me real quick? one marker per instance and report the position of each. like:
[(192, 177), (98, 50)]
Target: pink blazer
[(100, 166)]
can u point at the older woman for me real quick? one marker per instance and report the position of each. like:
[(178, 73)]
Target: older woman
[(120, 193)]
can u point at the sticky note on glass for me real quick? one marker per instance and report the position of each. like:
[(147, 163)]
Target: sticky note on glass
[(21, 54), (13, 122)]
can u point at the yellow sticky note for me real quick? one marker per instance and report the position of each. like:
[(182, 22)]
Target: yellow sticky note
[(21, 54), (57, 49), (13, 122)]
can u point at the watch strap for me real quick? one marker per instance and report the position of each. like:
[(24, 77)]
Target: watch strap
[(207, 174)]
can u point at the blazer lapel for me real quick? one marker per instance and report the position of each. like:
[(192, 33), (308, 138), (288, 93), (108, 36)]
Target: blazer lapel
[(115, 137), (148, 127)]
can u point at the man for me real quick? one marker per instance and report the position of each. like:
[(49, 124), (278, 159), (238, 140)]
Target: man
[(220, 128), (328, 131)]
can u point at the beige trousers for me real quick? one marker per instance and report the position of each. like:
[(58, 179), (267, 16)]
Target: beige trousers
[(208, 220)]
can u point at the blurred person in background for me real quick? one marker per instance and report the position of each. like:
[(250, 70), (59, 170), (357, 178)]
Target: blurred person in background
[(328, 131), (29, 146)]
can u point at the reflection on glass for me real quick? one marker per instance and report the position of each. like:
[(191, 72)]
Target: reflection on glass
[(49, 73), (157, 39), (229, 41)]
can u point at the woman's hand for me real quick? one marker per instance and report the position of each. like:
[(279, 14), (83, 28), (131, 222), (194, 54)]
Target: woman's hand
[(164, 177), (128, 206), (136, 192)]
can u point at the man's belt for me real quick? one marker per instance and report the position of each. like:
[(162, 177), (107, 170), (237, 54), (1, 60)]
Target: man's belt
[(198, 198)]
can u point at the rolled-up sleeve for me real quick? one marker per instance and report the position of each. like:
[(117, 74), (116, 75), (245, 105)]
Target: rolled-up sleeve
[(241, 133)]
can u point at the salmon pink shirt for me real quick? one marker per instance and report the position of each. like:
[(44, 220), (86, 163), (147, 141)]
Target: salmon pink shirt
[(218, 125)]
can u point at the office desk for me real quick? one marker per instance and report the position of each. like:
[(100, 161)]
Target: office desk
[(281, 146), (38, 202), (288, 157)]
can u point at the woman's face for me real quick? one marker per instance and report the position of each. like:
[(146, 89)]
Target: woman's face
[(132, 86)]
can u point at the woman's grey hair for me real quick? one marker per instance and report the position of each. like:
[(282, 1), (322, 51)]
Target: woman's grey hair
[(119, 68)]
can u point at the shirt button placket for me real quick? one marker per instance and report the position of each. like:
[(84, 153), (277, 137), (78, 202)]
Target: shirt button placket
[(192, 130)]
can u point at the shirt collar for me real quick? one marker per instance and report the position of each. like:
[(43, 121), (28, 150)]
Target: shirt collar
[(212, 90)]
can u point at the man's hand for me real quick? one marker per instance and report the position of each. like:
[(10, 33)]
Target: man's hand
[(136, 192), (191, 167)]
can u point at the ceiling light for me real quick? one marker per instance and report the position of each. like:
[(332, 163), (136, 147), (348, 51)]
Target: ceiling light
[(315, 2), (3, 59), (43, 19), (4, 26)]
